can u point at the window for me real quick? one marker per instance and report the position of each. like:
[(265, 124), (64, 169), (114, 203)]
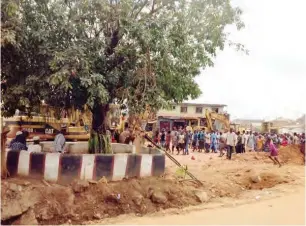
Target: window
[(173, 107), (184, 109), (199, 110)]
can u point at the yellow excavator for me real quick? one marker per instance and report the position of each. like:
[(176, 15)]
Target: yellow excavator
[(223, 118), (45, 125), (76, 123)]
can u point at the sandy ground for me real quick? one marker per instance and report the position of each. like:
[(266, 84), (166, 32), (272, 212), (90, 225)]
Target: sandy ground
[(269, 212), (269, 202), (249, 189)]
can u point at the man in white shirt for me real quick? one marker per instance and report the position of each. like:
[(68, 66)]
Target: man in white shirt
[(231, 141), (296, 139), (35, 147)]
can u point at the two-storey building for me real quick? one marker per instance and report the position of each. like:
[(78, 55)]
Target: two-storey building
[(186, 114)]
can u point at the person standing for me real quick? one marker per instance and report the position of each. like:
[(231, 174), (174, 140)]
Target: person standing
[(168, 139), (60, 141), (174, 139), (222, 146), (201, 138), (218, 140), (163, 138), (243, 141), (251, 142), (116, 135), (239, 143), (181, 142), (207, 142), (303, 143), (246, 138), (195, 141), (213, 142), (231, 141), (260, 142), (188, 136), (296, 139)]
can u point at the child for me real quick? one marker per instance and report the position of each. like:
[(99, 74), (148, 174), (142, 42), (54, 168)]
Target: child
[(273, 152)]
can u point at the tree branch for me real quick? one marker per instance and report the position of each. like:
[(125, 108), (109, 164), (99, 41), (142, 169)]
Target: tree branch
[(141, 8)]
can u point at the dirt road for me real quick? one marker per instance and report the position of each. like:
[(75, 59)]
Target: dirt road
[(289, 209)]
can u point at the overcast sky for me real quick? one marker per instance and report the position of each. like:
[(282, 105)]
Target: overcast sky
[(270, 82)]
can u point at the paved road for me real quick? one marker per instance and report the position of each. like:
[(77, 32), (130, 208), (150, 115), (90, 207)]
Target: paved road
[(289, 209)]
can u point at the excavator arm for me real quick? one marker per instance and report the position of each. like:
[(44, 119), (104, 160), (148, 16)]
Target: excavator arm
[(220, 117)]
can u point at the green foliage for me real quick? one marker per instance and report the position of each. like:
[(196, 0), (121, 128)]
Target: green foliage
[(181, 171), (76, 52)]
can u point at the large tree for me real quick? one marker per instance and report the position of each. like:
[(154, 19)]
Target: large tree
[(97, 52)]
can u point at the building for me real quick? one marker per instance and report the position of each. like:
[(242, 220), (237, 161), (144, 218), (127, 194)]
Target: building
[(254, 125), (186, 114)]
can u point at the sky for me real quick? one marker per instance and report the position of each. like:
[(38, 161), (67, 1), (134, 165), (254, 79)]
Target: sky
[(270, 82)]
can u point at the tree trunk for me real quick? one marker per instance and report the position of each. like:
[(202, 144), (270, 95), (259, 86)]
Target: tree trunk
[(100, 138), (4, 171)]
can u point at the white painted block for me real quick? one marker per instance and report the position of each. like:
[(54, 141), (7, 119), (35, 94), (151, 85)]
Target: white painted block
[(119, 168), (134, 149), (51, 166), (87, 168), (24, 163), (146, 165)]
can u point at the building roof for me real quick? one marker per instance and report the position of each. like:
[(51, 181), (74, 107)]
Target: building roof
[(248, 121), (181, 116), (203, 104)]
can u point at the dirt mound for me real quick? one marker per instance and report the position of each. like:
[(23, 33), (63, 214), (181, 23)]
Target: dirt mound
[(292, 154), (263, 180), (56, 204)]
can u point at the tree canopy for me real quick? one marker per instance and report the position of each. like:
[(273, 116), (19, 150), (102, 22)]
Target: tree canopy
[(95, 52)]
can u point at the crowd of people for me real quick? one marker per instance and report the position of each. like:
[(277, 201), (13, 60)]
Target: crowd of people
[(19, 143), (182, 141)]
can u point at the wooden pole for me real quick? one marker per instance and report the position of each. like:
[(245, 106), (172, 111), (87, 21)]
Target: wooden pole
[(173, 159)]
